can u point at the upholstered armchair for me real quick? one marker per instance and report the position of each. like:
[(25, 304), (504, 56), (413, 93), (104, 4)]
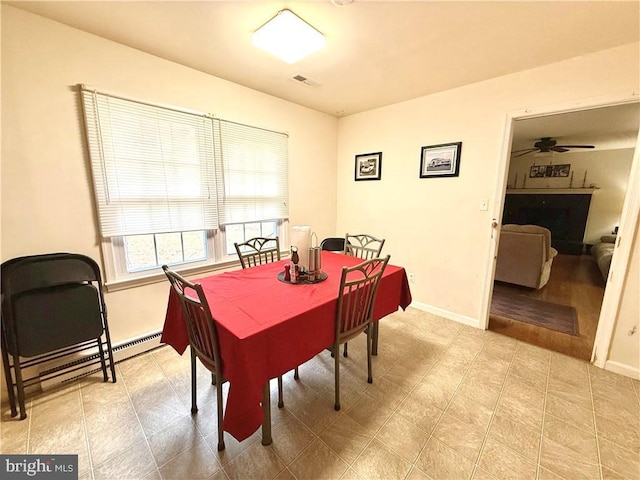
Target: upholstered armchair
[(525, 255)]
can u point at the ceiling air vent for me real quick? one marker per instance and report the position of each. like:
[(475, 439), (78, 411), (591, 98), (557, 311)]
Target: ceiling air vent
[(306, 80)]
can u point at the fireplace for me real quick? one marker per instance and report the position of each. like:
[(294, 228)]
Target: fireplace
[(564, 214)]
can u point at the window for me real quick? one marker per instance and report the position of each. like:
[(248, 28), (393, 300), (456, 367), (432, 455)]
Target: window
[(179, 187)]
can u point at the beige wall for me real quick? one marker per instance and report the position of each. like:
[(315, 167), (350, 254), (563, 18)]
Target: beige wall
[(608, 169), (47, 203), (624, 353), (434, 227)]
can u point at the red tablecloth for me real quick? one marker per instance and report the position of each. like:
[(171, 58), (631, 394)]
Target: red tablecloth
[(267, 327)]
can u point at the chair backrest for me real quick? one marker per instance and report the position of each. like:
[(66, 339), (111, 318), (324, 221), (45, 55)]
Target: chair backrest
[(363, 246), (258, 250), (203, 334), (357, 296), (333, 244), (51, 301)]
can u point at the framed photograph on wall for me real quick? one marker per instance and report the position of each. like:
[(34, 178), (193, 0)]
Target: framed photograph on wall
[(540, 171), (440, 160), (369, 166)]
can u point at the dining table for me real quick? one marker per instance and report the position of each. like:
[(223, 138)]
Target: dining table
[(267, 327)]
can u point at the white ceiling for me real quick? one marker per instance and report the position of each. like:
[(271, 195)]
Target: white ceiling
[(605, 128), (377, 52)]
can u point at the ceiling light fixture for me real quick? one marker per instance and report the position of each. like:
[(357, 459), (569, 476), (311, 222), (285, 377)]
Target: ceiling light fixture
[(288, 37)]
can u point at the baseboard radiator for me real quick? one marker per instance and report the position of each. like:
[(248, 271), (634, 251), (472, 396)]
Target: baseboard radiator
[(84, 365)]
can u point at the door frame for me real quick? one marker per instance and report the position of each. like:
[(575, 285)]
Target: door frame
[(628, 221)]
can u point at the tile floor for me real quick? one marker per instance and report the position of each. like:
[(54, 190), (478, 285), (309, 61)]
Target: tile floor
[(447, 402)]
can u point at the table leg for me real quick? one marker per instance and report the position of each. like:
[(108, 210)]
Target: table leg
[(266, 413)]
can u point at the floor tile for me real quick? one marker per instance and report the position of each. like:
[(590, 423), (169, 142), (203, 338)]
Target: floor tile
[(582, 442), (403, 437), (134, 463), (318, 461), (256, 462), (377, 461), (470, 412), (565, 462), (570, 413), (196, 462), (438, 460), (459, 436), (515, 435), (617, 459), (503, 463)]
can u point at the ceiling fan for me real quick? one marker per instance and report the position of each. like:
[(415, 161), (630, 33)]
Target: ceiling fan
[(547, 144)]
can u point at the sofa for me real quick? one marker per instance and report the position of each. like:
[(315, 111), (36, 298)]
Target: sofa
[(525, 255), (602, 253)]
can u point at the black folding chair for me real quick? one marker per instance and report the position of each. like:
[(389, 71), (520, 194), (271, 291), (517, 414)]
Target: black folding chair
[(52, 307)]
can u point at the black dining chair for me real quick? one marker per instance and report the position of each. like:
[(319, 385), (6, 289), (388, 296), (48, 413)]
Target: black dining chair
[(333, 244)]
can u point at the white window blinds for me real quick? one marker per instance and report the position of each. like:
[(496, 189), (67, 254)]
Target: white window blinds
[(254, 181), (153, 167), (158, 169)]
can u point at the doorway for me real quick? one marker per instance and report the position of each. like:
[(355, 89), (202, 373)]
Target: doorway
[(575, 279)]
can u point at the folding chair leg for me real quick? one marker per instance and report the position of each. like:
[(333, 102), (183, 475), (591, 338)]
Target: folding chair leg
[(7, 375), (194, 405), (345, 349), (19, 386), (103, 364)]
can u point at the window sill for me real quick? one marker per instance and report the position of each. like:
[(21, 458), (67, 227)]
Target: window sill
[(159, 276)]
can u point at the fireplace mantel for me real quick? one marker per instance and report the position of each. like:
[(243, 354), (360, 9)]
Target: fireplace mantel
[(538, 191)]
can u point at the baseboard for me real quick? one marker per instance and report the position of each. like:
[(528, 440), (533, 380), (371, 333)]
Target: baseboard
[(456, 317), (121, 351), (622, 369)]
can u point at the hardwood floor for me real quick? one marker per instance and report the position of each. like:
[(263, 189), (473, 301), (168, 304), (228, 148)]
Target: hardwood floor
[(575, 280)]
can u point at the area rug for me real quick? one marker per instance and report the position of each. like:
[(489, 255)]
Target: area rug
[(521, 308)]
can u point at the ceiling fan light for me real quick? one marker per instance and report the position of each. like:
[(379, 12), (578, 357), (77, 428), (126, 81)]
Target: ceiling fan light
[(288, 37)]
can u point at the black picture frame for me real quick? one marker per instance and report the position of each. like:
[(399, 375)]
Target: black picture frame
[(368, 166), (441, 160), (542, 171)]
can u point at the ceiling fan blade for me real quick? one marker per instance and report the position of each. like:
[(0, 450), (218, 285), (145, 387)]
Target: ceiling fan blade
[(524, 152), (576, 146), (560, 149)]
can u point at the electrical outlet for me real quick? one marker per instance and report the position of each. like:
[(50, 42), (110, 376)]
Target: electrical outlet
[(412, 277)]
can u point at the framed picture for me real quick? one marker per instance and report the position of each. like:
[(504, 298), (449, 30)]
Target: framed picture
[(440, 160), (539, 171), (368, 166)]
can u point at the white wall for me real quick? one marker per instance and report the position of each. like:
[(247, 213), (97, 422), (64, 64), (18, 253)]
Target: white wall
[(434, 227), (624, 352), (47, 202), (608, 169)]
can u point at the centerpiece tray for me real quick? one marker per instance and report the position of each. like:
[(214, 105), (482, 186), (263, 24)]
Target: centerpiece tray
[(304, 279)]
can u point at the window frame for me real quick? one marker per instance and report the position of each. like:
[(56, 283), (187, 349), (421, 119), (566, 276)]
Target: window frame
[(117, 277)]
